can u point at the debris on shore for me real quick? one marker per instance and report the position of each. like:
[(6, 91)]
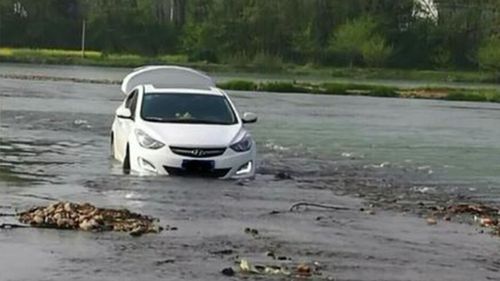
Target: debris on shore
[(300, 270), (485, 216), (86, 217), (298, 205)]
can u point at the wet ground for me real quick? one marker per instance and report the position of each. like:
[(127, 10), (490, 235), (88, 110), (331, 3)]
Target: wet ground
[(346, 151)]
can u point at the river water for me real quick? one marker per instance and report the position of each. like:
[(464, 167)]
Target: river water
[(456, 141), (54, 142)]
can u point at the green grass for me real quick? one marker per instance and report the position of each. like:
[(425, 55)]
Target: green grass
[(50, 56), (476, 95), (269, 65), (240, 85), (261, 63), (418, 75), (304, 87), (285, 87), (360, 89), (47, 53)]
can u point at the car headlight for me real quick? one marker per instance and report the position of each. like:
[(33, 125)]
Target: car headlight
[(146, 141), (243, 145)]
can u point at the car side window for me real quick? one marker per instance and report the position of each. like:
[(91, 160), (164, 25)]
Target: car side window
[(131, 102)]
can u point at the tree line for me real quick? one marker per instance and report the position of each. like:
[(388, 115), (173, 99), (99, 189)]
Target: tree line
[(374, 33)]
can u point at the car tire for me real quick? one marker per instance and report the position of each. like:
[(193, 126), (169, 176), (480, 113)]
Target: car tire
[(112, 146), (126, 161)]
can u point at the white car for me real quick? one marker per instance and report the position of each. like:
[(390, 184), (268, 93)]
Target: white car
[(175, 121)]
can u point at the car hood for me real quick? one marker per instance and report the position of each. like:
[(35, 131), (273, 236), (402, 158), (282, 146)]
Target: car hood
[(193, 135)]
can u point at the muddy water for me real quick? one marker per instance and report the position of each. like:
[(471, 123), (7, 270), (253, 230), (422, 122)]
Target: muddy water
[(54, 146)]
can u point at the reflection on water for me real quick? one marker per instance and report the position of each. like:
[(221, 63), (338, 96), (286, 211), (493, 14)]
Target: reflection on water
[(8, 176)]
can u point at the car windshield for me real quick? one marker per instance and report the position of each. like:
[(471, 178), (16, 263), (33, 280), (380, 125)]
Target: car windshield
[(187, 108)]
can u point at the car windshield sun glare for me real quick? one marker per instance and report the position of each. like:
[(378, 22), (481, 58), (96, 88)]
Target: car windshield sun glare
[(146, 141)]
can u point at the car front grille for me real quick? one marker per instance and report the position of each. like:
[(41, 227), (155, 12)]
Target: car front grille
[(197, 152), (215, 173)]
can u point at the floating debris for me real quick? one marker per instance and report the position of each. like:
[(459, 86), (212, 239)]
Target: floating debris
[(222, 252), (82, 123), (301, 270), (275, 147), (370, 212), (7, 215), (431, 221), (347, 154), (283, 176), (247, 268), (304, 270), (86, 217), (11, 226), (297, 206), (378, 166), (283, 258), (228, 271), (423, 189), (251, 231), (163, 262), (273, 255)]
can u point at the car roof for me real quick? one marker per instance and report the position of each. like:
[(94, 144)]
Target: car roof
[(183, 89)]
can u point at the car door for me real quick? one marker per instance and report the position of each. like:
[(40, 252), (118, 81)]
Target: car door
[(125, 125)]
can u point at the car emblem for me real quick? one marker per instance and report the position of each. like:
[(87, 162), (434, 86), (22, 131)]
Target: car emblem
[(197, 152)]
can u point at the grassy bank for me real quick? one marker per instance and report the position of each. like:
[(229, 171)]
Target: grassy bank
[(455, 94), (50, 56), (320, 74), (441, 93)]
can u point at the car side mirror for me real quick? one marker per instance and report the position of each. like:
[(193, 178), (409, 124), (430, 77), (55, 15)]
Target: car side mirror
[(123, 113), (249, 117)]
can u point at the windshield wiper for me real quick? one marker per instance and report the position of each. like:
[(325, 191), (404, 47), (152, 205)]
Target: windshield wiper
[(197, 121), (156, 119), (185, 121)]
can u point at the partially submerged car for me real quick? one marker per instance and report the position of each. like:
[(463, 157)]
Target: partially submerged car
[(175, 121)]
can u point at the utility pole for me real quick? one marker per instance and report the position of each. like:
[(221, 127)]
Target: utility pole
[(83, 38), (0, 26), (1, 10), (172, 10)]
